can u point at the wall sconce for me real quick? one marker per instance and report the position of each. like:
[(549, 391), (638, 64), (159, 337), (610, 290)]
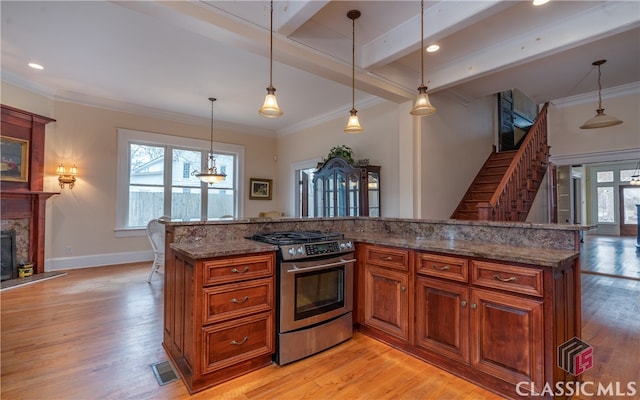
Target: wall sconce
[(66, 178)]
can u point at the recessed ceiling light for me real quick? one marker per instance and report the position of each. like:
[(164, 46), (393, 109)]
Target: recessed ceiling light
[(36, 66), (432, 48), (540, 2)]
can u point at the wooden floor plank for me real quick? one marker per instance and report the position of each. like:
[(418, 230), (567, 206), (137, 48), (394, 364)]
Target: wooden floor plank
[(94, 334)]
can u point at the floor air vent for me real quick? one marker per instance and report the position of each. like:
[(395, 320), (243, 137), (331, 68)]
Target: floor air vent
[(164, 372)]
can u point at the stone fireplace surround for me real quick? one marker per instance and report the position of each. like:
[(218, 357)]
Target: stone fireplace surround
[(22, 204)]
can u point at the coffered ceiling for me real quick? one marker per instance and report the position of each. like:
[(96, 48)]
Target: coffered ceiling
[(165, 58)]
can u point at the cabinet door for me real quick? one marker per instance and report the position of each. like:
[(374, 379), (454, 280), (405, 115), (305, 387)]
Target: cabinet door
[(442, 318), (507, 336), (387, 301)]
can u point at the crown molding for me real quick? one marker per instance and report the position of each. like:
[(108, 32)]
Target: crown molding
[(596, 157), (624, 90)]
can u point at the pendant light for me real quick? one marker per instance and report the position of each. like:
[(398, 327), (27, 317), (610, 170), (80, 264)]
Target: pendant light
[(635, 178), (270, 107), (601, 120), (353, 125), (422, 106), (211, 176)]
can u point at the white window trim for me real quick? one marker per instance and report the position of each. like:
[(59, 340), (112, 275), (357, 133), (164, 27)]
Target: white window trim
[(125, 136), (295, 201)]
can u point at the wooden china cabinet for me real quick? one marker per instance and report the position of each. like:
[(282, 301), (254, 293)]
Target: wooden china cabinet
[(344, 190)]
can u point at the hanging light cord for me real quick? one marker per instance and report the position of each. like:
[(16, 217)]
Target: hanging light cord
[(271, 48), (353, 64), (422, 43), (599, 88), (211, 99)]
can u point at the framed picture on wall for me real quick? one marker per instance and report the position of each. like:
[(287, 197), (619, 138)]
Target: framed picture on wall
[(260, 189), (14, 159)]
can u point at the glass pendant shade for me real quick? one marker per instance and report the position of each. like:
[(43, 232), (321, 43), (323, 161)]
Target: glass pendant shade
[(422, 106), (270, 108), (635, 178), (211, 176), (353, 125), (601, 120)]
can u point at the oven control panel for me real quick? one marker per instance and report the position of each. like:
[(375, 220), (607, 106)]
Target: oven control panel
[(306, 250)]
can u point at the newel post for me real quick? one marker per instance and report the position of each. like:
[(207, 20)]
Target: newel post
[(484, 211)]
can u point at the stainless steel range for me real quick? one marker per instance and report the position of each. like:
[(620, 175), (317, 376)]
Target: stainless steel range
[(314, 291)]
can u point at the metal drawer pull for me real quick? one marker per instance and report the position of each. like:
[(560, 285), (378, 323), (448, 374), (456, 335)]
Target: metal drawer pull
[(236, 343), (474, 305), (442, 268), (386, 258), (237, 271), (234, 300), (501, 279), (463, 303)]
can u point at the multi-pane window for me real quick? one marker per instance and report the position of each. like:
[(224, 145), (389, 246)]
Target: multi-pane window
[(159, 179), (606, 205)]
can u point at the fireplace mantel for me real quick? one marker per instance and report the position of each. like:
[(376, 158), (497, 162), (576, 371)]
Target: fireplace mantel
[(27, 199)]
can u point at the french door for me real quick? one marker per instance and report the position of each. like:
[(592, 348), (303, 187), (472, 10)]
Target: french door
[(629, 197)]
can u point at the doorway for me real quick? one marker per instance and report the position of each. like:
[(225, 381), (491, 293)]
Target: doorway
[(628, 198)]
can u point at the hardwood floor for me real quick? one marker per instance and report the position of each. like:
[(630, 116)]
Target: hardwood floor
[(610, 256), (94, 333)]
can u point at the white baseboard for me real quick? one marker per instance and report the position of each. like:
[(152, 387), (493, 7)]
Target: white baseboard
[(98, 260)]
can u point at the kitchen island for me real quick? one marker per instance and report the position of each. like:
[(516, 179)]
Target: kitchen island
[(487, 301)]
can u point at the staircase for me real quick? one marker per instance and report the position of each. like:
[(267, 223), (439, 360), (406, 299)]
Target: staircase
[(506, 185)]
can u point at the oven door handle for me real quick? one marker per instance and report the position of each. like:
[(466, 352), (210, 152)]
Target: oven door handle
[(322, 266)]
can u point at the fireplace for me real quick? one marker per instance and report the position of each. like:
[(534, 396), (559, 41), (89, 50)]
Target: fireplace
[(8, 258), (22, 199)]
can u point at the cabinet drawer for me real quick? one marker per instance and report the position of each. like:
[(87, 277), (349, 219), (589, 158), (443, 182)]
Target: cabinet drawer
[(237, 299), (237, 269), (453, 268), (507, 277), (235, 341), (388, 257)]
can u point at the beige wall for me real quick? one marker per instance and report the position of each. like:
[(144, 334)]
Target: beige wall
[(456, 142), (566, 137), (84, 218), (442, 152), (378, 143)]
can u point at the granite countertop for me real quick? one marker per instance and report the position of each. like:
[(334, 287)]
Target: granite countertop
[(526, 255), (222, 248)]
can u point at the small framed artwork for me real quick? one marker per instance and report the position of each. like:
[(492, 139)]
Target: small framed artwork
[(260, 189), (14, 159)]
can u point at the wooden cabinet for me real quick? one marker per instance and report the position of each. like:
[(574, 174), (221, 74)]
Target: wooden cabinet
[(507, 336), (386, 290), (343, 190), (494, 323), (442, 318), (219, 316)]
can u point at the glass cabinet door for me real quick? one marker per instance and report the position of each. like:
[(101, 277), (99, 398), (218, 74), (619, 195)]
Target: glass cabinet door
[(373, 186), (353, 195)]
